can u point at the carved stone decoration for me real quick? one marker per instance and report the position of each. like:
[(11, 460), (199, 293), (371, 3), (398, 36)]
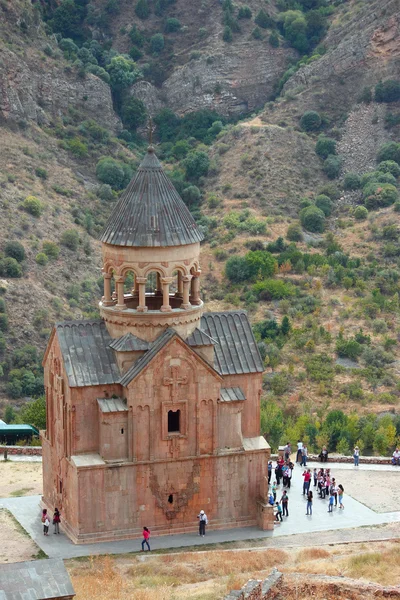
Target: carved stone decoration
[(174, 382)]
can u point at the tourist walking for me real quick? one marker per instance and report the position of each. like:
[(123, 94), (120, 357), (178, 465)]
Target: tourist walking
[(203, 521), (278, 516), (356, 456), (56, 520), (299, 449), (307, 481), (340, 494), (331, 500), (285, 502), (45, 521), (304, 456), (146, 536), (334, 490), (309, 503)]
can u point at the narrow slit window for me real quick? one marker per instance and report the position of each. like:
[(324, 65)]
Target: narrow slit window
[(122, 431), (171, 499), (174, 421)]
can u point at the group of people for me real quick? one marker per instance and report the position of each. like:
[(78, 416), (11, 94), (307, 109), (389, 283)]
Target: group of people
[(46, 521)]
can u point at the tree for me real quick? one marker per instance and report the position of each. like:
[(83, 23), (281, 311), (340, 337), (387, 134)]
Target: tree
[(325, 146), (361, 213), (9, 414), (34, 413), (191, 196), (227, 35), (274, 39), (264, 20), (261, 264), (10, 267), (196, 165), (133, 113), (311, 121), (51, 249), (157, 43), (294, 25), (387, 91), (389, 151), (285, 325), (294, 233), (237, 269), (123, 72), (142, 9), (324, 203), (68, 19), (172, 25), (244, 12), (389, 166), (313, 219), (352, 181), (109, 170), (70, 239), (15, 250)]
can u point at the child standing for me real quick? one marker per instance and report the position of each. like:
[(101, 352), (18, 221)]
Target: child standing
[(278, 516), (146, 536), (340, 494), (331, 500)]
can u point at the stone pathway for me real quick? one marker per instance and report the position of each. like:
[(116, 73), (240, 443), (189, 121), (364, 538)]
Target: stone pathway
[(356, 523)]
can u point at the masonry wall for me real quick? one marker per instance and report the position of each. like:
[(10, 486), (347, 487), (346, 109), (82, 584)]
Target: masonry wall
[(251, 384)]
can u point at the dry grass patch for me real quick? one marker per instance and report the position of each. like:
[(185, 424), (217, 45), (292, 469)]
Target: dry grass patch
[(382, 566), (312, 554)]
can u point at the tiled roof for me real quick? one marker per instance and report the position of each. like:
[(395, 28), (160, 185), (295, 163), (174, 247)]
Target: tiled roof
[(200, 338), (236, 351), (129, 343), (112, 405), (144, 360), (88, 358), (232, 394), (150, 212), (35, 580)]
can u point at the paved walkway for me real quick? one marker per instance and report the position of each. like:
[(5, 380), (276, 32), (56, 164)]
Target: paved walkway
[(26, 510)]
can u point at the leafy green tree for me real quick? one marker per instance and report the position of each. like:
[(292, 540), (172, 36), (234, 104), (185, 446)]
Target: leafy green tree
[(244, 12), (273, 289), (348, 348), (294, 233), (272, 422), (294, 27), (264, 20), (3, 322), (10, 267), (9, 414), (389, 166), (237, 269), (172, 25), (191, 195), (387, 91), (68, 19), (325, 146), (332, 166), (196, 165), (285, 325), (69, 48), (261, 264), (34, 413), (256, 33), (15, 250), (70, 239), (111, 171), (123, 72), (51, 249), (324, 203), (361, 213), (133, 113), (310, 121), (313, 219), (352, 181), (389, 151), (142, 9), (157, 43), (180, 149)]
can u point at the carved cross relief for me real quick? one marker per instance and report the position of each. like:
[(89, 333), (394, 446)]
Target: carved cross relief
[(174, 382)]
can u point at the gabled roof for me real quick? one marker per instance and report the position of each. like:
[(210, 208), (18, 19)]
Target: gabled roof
[(129, 343), (88, 358), (108, 405), (200, 338), (35, 580), (232, 394), (236, 351), (150, 212)]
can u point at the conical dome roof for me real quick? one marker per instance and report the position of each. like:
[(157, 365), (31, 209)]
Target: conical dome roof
[(150, 212)]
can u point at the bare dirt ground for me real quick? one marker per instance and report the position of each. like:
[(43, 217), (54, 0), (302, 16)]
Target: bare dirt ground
[(379, 490), (16, 545), (20, 479)]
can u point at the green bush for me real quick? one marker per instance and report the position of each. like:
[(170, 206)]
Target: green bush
[(294, 233), (10, 267), (352, 181), (142, 9), (33, 206), (133, 113), (256, 33), (311, 121), (332, 166), (78, 148), (361, 213), (157, 43), (227, 35), (325, 146), (389, 151), (260, 263), (105, 192), (387, 91), (244, 12), (396, 207), (51, 249), (40, 172), (389, 166), (320, 367), (191, 196), (172, 25), (237, 270), (274, 39), (3, 322), (196, 165), (331, 190), (324, 203), (380, 195), (348, 348), (15, 250), (113, 172), (42, 259), (70, 239), (264, 20), (313, 219), (273, 289)]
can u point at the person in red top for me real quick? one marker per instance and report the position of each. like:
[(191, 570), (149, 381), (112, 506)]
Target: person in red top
[(307, 481), (146, 535)]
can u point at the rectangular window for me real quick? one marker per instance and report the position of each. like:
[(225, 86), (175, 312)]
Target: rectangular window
[(174, 418)]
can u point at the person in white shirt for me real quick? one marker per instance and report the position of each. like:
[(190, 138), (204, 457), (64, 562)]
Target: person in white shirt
[(203, 521), (396, 457), (356, 456), (299, 451)]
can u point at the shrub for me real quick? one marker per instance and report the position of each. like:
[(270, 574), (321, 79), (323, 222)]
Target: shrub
[(313, 219), (331, 190), (3, 322), (264, 20), (15, 250), (237, 269), (396, 207), (244, 12), (361, 213), (260, 264), (273, 289), (332, 166), (191, 195), (311, 121), (42, 259), (51, 249), (157, 43), (380, 195), (376, 357), (320, 367), (389, 166), (111, 171), (352, 181), (389, 151), (274, 39), (40, 172), (70, 239), (324, 203), (227, 35), (387, 91), (294, 233), (348, 348), (196, 165), (325, 146), (77, 148), (133, 113), (33, 206), (172, 25), (142, 9), (256, 33), (105, 192), (10, 267)]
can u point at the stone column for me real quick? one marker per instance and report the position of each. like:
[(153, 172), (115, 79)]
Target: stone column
[(195, 299), (166, 281), (159, 286), (142, 294), (179, 292), (107, 300), (119, 284), (135, 290), (186, 291)]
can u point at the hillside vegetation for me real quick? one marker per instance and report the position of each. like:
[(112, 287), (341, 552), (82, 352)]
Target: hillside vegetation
[(298, 201)]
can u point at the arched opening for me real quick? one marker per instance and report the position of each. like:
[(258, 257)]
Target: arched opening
[(154, 290), (131, 289)]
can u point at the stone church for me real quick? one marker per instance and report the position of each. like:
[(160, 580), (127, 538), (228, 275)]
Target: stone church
[(153, 411)]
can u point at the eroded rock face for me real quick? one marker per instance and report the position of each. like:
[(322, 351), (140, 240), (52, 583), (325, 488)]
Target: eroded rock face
[(31, 92)]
